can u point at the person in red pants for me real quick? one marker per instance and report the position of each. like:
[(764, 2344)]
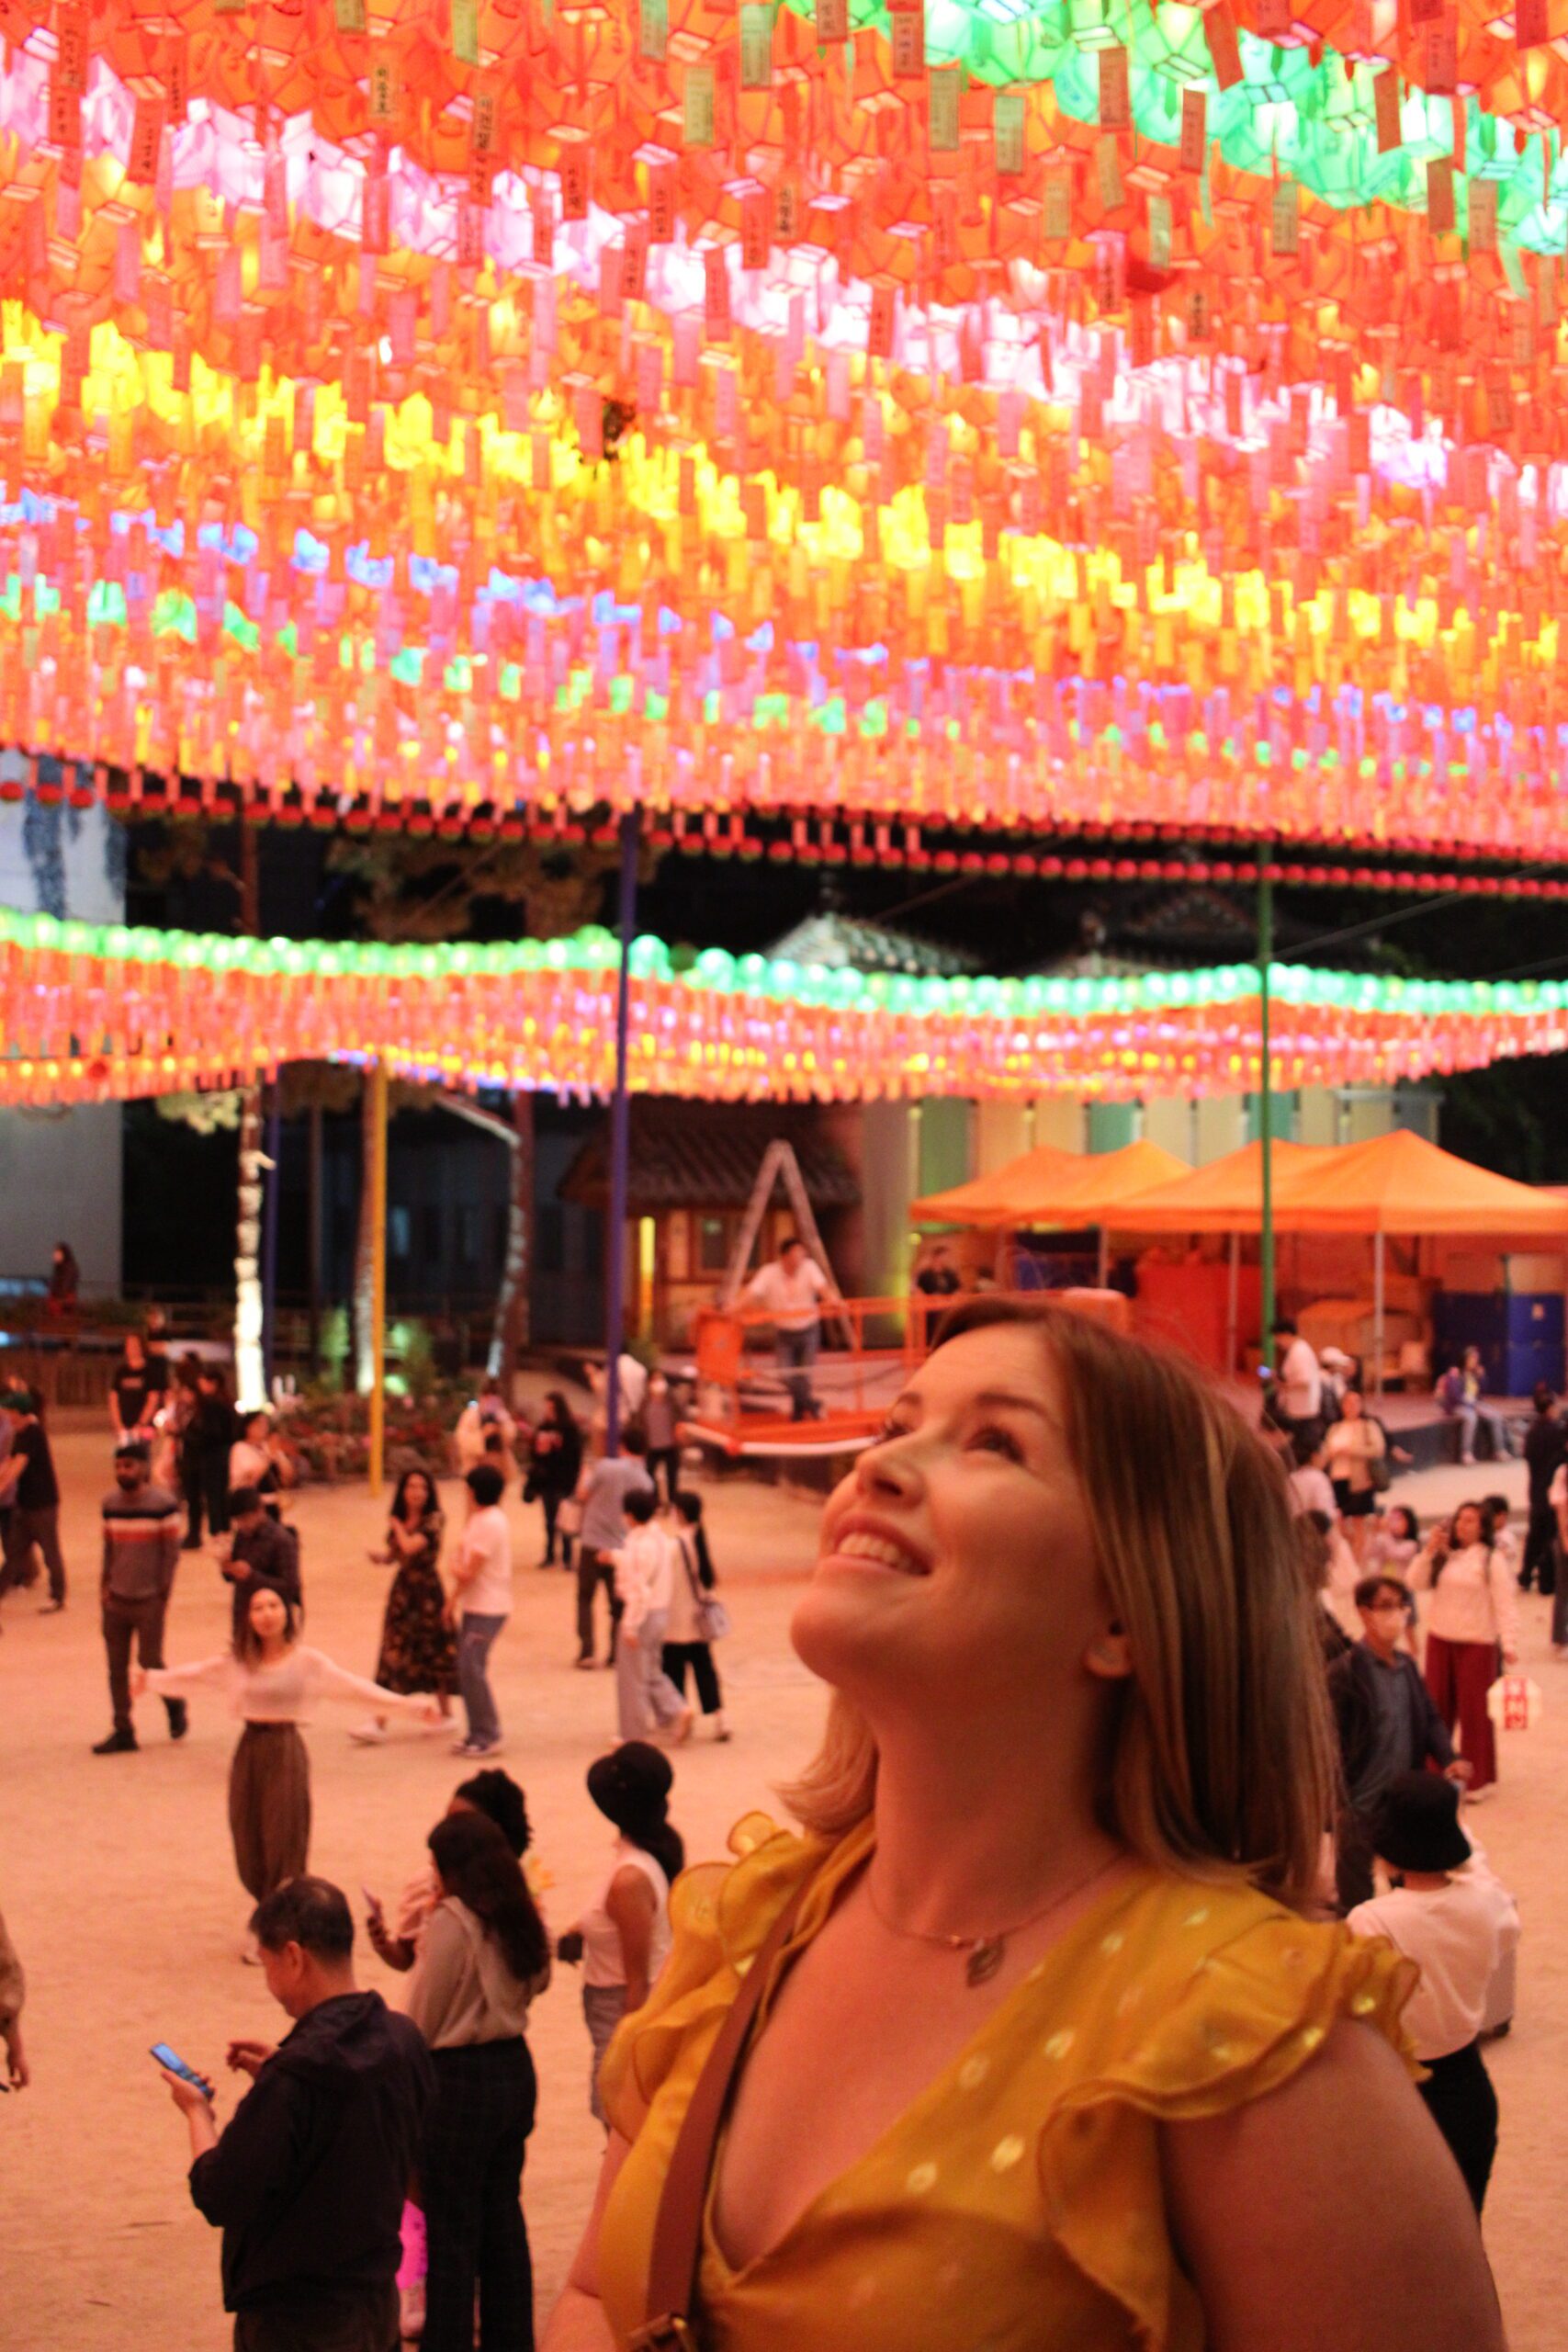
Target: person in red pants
[(1473, 1615)]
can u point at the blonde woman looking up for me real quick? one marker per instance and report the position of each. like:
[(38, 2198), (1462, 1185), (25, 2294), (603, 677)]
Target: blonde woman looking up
[(1051, 2055)]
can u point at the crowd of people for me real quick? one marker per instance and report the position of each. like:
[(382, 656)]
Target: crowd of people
[(1138, 1860), (369, 2184)]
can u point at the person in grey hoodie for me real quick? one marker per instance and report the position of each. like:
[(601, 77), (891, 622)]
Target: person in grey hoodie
[(307, 2183)]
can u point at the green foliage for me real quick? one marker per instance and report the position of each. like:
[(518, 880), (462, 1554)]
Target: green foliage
[(335, 1346)]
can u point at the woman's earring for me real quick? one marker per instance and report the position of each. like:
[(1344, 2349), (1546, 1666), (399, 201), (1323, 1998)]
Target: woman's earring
[(1109, 1655)]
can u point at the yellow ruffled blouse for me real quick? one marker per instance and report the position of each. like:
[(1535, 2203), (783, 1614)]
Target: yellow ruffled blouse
[(1016, 2205)]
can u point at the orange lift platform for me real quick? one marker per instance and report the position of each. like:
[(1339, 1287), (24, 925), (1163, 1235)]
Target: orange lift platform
[(870, 1347)]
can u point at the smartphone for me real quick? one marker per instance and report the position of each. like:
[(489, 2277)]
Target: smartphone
[(176, 2065)]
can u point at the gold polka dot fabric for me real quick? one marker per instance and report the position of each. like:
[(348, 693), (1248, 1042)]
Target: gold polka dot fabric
[(1016, 2205)]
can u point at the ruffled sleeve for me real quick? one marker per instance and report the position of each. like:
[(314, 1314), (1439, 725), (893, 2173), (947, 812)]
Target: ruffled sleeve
[(719, 1915), (1249, 2013)]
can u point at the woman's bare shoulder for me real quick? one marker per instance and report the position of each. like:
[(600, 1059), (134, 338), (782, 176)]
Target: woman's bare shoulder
[(1329, 2215)]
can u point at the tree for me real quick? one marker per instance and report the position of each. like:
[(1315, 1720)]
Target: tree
[(410, 889)]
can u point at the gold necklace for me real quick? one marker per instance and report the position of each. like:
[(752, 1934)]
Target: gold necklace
[(987, 1952)]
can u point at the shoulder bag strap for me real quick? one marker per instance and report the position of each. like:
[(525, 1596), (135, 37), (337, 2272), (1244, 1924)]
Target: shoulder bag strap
[(678, 2229), (691, 1570)]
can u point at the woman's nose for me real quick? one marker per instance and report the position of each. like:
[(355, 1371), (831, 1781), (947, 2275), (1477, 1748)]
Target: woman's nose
[(890, 1468)]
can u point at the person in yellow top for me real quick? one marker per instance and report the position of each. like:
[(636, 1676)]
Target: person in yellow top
[(1054, 2058)]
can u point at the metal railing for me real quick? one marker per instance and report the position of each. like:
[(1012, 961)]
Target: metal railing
[(867, 1345)]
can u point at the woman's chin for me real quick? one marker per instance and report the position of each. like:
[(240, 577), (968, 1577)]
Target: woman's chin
[(840, 1622)]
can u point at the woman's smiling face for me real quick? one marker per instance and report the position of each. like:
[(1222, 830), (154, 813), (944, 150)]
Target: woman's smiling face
[(958, 1557)]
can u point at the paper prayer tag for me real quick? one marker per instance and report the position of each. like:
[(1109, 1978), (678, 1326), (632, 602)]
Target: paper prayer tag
[(1195, 127)]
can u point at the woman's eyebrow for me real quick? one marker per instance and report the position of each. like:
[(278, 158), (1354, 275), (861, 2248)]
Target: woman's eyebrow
[(1010, 1398)]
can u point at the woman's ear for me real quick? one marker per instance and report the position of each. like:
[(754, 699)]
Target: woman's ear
[(1109, 1654)]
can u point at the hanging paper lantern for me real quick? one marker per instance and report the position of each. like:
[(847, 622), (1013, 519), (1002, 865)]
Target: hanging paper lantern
[(90, 1013)]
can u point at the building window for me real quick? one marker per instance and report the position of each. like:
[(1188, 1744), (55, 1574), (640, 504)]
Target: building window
[(430, 1233), (713, 1245), (400, 1229), (468, 1234)]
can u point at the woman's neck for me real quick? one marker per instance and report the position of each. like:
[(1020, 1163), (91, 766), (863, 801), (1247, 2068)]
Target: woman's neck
[(975, 1836), (274, 1646)]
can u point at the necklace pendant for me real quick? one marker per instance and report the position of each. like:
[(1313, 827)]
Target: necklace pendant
[(984, 1960)]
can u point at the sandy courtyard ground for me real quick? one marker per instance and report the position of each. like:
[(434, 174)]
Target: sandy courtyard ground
[(116, 1879)]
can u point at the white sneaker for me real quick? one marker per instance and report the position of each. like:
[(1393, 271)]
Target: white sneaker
[(369, 1733)]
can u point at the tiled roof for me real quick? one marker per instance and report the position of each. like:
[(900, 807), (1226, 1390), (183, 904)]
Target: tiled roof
[(838, 940), (706, 1156)]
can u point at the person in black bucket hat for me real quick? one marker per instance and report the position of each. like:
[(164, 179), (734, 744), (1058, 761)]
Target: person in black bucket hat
[(623, 1939), (1456, 1924)]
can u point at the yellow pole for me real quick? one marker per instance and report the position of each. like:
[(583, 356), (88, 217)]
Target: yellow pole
[(378, 1278)]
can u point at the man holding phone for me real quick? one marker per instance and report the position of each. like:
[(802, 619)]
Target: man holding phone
[(308, 2181)]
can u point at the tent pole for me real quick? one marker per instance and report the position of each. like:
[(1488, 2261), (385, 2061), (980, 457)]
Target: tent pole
[(1266, 1088), (378, 1278), (620, 1148), (1377, 1312), (1232, 1308)]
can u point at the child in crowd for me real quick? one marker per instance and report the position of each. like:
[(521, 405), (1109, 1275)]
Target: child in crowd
[(1457, 1928), (645, 1567), (1505, 1537), (690, 1632), (1394, 1541), (1392, 1547)]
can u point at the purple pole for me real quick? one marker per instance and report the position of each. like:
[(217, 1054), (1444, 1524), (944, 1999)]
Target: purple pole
[(620, 1149)]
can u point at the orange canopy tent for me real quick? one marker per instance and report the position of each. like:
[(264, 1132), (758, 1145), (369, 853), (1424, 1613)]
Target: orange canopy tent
[(985, 1199), (1396, 1184), (1049, 1187), (1401, 1183), (1227, 1196)]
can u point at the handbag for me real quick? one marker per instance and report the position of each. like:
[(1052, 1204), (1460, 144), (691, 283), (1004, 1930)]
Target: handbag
[(677, 2225), (1380, 1469), (713, 1617)]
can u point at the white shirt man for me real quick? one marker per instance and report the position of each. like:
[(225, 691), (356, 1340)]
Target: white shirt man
[(790, 1290), (1300, 1387)]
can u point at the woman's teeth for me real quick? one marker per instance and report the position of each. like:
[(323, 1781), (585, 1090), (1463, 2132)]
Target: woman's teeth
[(880, 1548)]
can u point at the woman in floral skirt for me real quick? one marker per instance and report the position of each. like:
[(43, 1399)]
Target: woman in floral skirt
[(418, 1652)]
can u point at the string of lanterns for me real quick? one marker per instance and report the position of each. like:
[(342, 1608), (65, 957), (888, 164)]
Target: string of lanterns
[(91, 1013), (1074, 417)]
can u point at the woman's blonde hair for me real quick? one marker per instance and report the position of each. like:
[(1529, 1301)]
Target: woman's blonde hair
[(1219, 1759)]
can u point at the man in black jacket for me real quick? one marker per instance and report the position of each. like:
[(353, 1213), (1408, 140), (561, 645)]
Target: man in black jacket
[(263, 1551), (1546, 1446), (1387, 1725), (308, 2182)]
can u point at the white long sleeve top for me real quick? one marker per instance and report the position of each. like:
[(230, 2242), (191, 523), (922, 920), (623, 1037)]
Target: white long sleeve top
[(286, 1691), (644, 1574), (1474, 1600)]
